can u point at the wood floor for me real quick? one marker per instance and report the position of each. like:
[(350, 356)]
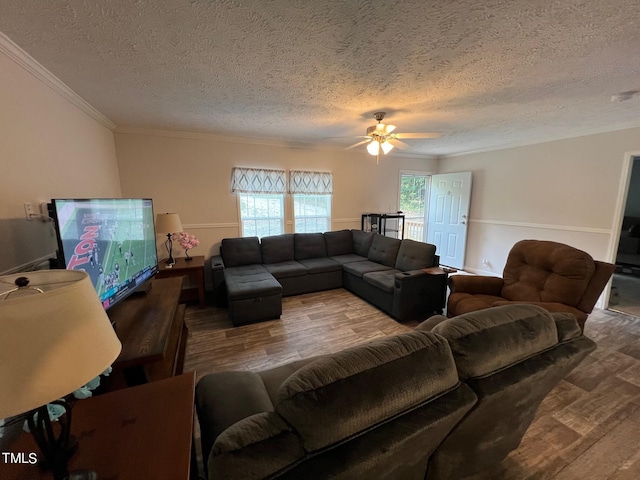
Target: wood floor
[(587, 428)]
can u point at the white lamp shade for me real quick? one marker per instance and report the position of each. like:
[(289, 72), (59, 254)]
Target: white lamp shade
[(51, 343), (168, 223), (386, 147), (373, 147)]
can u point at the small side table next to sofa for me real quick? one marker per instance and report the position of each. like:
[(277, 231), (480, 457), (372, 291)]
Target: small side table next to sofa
[(182, 267)]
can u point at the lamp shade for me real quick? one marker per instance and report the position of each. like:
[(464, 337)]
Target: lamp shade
[(373, 147), (168, 223), (54, 338), (386, 147)]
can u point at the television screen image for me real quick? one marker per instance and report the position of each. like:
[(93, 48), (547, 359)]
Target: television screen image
[(113, 240)]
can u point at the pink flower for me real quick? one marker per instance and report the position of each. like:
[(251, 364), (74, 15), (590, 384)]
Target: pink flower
[(186, 240)]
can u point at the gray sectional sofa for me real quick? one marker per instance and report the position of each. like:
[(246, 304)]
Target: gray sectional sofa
[(443, 402), (391, 274)]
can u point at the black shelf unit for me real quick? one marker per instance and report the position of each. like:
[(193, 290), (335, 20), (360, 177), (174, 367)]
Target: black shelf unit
[(388, 224)]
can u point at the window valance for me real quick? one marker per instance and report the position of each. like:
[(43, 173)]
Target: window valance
[(258, 180), (313, 183)]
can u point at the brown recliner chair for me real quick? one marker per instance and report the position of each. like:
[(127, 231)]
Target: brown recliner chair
[(555, 276)]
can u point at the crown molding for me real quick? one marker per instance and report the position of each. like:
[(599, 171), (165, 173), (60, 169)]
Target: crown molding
[(211, 137), (526, 143), (247, 140), (31, 65)]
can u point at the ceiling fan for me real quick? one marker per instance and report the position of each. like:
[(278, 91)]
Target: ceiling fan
[(381, 137)]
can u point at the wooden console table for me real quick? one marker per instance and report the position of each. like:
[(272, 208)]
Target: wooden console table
[(182, 267), (153, 334), (139, 432)]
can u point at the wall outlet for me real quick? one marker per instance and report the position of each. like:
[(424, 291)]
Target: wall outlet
[(28, 210)]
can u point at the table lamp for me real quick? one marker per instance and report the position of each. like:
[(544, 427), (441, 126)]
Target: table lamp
[(55, 337), (168, 223)]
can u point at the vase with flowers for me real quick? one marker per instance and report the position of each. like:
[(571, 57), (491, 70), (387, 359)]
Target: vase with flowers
[(186, 241)]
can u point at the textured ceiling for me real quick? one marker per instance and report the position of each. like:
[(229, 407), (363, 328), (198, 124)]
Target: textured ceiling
[(487, 74)]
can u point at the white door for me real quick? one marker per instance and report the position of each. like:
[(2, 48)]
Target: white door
[(449, 200)]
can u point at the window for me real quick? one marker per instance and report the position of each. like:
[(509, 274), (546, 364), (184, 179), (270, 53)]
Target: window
[(311, 200), (262, 214), (312, 213), (413, 194), (261, 198)]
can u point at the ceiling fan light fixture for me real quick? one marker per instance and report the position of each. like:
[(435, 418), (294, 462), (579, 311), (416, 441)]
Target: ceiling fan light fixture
[(373, 147), (382, 129), (386, 147)]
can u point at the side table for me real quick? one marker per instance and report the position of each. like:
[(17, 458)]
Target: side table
[(195, 268), (439, 286), (138, 432)]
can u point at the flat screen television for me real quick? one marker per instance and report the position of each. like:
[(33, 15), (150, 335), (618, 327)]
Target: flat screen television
[(112, 239)]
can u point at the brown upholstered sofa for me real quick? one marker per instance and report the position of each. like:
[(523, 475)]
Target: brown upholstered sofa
[(552, 275), (439, 404)]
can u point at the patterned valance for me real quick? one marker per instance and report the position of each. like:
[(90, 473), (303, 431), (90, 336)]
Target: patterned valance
[(314, 183), (258, 180)]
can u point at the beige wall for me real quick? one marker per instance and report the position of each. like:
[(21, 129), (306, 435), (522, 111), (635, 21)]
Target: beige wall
[(566, 190), (48, 148), (190, 175)]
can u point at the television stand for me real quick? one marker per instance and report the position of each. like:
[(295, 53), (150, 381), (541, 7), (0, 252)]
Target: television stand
[(143, 289), (153, 334)]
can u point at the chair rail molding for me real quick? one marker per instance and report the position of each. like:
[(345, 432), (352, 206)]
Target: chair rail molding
[(205, 226), (345, 220), (570, 228)]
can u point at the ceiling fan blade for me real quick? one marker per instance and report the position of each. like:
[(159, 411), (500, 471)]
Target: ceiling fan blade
[(352, 136), (358, 144), (418, 135), (399, 143)]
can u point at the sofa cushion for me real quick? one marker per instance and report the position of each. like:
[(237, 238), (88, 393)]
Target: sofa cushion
[(567, 326), (264, 441), (486, 341), (343, 394), (309, 245), (360, 268), (240, 251), (338, 243), (413, 255), (321, 265), (277, 248), (243, 286), (217, 411), (243, 270), (348, 258), (286, 269), (543, 271), (361, 242), (384, 250), (385, 280), (274, 377)]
